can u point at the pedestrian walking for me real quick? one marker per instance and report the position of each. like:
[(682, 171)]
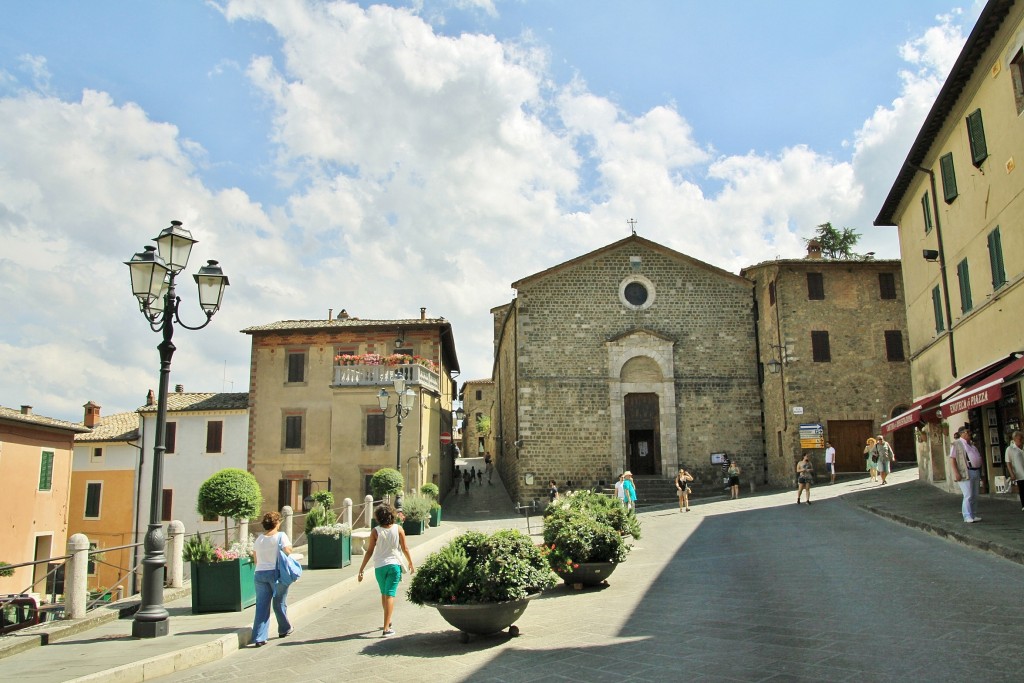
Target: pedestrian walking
[(620, 491), (734, 480), (830, 461), (683, 480), (628, 490), (387, 547), (804, 477), (1015, 463), (268, 591), (965, 463), (883, 457), (480, 477), (458, 478), (472, 473), (466, 479), (552, 491), (871, 459), (489, 467)]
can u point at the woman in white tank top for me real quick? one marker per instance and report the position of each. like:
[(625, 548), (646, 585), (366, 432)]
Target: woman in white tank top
[(387, 546)]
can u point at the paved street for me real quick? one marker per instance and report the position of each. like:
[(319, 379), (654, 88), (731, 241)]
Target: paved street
[(751, 590)]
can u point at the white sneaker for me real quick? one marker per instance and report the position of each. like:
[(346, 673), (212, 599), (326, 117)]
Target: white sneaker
[(388, 633), (977, 519), (971, 521)]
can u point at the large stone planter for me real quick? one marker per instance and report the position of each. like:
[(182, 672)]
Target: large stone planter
[(328, 552), (435, 518), (223, 586), (485, 618), (414, 528), (588, 574)]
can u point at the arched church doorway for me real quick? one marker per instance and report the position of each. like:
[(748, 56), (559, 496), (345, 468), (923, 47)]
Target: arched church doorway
[(643, 437)]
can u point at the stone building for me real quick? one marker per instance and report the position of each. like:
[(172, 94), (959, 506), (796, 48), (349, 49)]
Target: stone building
[(958, 202), (633, 356), (833, 356), (478, 400), (314, 416)]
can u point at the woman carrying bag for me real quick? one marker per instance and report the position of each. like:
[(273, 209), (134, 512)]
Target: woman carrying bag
[(683, 489), (269, 591)]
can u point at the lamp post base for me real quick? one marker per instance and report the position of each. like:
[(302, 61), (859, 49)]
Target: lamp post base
[(150, 629)]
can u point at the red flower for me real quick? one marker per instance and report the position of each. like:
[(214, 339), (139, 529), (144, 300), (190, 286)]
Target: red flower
[(575, 566)]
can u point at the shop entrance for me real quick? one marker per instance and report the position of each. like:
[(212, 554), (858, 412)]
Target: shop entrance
[(644, 447)]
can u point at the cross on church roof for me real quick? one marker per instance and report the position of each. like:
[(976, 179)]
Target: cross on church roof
[(632, 225)]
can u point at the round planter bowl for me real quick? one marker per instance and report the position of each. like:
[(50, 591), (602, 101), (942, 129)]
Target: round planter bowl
[(485, 618), (589, 573)]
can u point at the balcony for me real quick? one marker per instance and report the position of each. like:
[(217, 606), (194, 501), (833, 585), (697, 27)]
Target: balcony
[(384, 376)]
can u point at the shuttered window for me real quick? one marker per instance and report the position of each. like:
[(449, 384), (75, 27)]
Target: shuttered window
[(170, 436), (949, 192), (214, 436), (167, 506), (293, 431), (93, 492), (926, 209), (820, 350), (976, 136), (894, 346), (937, 308), (375, 429), (887, 285), (963, 274), (995, 257), (815, 286), (296, 366), (46, 471)]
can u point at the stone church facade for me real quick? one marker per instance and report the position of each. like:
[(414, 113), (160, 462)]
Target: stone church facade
[(633, 356)]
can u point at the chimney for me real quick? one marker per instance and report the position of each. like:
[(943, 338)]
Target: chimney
[(150, 398), (423, 312), (26, 410), (343, 315), (813, 250), (179, 388), (330, 314), (92, 414)]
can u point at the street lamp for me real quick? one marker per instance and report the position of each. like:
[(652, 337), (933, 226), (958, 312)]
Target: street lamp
[(405, 400), (775, 365), (153, 271)]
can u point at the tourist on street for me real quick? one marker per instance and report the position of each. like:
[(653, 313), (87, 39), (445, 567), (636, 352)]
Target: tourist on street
[(628, 490), (480, 477), (734, 480), (466, 478), (552, 491), (683, 489), (488, 467), (965, 463), (472, 473), (1015, 463), (620, 491), (885, 456), (830, 461), (387, 546), (871, 458), (458, 478), (268, 590), (804, 477)]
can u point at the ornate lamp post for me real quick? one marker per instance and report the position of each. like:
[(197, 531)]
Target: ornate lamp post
[(153, 271), (405, 400)]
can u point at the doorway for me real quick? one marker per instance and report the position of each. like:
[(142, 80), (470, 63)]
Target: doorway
[(849, 437), (644, 443)]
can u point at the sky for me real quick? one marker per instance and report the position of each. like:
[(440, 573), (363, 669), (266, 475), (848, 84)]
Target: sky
[(386, 157)]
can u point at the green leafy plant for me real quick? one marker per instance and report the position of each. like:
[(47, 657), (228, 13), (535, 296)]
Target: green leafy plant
[(334, 530), (573, 537), (430, 490), (325, 498), (198, 549), (604, 509), (232, 493), (478, 568), (386, 481), (319, 516), (4, 571), (416, 507)]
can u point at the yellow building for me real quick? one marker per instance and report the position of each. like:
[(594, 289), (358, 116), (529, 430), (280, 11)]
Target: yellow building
[(104, 493), (478, 434), (35, 464), (958, 202), (314, 415)]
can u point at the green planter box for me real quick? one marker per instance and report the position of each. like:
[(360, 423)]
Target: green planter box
[(223, 586), (328, 552), (435, 518), (414, 528)]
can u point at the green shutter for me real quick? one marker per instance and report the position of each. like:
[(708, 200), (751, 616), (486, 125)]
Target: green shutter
[(995, 257), (46, 471), (937, 307), (963, 274), (926, 209), (976, 136), (949, 192)]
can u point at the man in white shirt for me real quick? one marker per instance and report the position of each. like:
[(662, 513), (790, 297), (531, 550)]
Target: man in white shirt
[(965, 464), (830, 460), (619, 492), (1015, 463)]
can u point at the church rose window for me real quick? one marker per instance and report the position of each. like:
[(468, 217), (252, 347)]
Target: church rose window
[(636, 294)]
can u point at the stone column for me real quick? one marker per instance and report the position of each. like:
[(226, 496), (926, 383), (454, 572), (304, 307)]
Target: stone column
[(368, 510), (287, 515), (175, 547), (76, 577), (346, 512)]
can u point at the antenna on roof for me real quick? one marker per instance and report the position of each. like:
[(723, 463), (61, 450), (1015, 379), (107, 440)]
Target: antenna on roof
[(632, 225), (224, 379)]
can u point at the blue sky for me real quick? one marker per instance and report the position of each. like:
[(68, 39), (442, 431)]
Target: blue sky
[(326, 152)]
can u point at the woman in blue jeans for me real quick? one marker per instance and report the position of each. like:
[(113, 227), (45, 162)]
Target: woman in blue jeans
[(268, 590)]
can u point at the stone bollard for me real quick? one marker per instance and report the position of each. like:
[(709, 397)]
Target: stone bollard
[(175, 549), (287, 515), (243, 531), (368, 510), (753, 486), (76, 577), (346, 512)]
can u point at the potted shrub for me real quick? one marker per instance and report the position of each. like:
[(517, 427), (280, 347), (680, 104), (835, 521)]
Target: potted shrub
[(416, 508), (330, 546), (580, 548), (482, 583), (223, 576), (432, 491), (386, 482), (604, 509)]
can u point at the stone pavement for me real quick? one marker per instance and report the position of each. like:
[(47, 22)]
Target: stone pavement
[(107, 652)]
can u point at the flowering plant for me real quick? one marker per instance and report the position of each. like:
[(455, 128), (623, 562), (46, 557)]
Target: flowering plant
[(201, 549), (389, 360), (333, 530)]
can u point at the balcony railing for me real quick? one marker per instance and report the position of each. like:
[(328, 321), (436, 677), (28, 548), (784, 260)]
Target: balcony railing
[(384, 376)]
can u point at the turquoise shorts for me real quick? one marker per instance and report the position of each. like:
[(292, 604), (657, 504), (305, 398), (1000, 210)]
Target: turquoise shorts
[(388, 578)]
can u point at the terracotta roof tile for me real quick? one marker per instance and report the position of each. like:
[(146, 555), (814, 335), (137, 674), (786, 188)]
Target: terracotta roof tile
[(185, 402), (40, 420), (116, 427)]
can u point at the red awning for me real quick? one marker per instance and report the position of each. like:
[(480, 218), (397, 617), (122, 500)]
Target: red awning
[(987, 388), (922, 408)]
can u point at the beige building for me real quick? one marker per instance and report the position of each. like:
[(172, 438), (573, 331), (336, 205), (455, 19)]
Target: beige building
[(478, 400), (314, 415), (35, 462), (958, 202), (831, 335), (633, 356)]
